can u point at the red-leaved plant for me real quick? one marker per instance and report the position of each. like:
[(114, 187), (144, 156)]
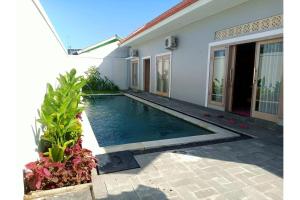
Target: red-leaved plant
[(45, 174)]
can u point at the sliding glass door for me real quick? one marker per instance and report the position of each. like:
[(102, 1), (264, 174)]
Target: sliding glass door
[(163, 74), (268, 80), (218, 68)]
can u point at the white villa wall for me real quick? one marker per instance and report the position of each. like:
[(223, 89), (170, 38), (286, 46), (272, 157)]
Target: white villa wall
[(189, 60), (109, 60)]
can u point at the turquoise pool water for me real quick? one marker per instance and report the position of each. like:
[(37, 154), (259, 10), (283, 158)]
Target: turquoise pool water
[(121, 120)]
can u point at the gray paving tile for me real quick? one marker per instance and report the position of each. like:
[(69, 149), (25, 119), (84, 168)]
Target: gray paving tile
[(246, 169), (206, 193)]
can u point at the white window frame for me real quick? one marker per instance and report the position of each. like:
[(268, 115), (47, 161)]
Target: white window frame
[(138, 72), (238, 40), (143, 69), (170, 72)]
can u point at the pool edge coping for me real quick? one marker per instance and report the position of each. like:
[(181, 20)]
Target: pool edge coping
[(106, 94)]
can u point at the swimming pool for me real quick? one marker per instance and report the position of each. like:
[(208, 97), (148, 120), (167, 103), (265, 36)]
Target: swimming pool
[(117, 120)]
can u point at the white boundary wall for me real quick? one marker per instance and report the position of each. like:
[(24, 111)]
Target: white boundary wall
[(109, 60), (40, 58)]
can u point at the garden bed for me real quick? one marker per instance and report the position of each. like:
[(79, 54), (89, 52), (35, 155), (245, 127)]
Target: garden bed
[(83, 191)]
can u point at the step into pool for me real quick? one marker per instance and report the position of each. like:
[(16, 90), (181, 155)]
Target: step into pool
[(117, 120)]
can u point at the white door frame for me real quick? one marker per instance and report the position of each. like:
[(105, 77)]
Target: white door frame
[(239, 40), (170, 72)]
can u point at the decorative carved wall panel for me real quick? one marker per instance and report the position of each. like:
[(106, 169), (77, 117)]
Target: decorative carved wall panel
[(252, 27)]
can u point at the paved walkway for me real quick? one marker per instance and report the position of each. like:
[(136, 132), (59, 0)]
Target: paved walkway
[(245, 169)]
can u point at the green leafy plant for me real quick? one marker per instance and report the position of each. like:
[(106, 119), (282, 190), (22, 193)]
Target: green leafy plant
[(58, 115), (63, 161), (95, 83)]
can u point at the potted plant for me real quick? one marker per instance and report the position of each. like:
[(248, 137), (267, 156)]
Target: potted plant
[(64, 167)]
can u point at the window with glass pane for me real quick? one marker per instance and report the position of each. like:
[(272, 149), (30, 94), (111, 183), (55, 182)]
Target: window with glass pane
[(162, 74), (269, 78), (219, 63), (134, 66)]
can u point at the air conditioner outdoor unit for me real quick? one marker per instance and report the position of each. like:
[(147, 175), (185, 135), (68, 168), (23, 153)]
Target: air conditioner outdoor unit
[(133, 53), (170, 42)]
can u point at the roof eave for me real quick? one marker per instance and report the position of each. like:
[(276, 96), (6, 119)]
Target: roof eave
[(204, 7), (100, 44)]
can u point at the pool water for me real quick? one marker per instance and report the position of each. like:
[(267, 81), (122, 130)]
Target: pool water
[(119, 120)]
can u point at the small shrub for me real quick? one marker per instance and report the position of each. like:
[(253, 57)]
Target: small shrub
[(95, 83), (58, 115), (45, 174), (63, 161)]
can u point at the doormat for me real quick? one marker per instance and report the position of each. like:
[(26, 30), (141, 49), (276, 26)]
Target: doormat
[(117, 161)]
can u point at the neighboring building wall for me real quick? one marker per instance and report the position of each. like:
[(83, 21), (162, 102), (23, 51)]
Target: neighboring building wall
[(189, 60), (110, 61)]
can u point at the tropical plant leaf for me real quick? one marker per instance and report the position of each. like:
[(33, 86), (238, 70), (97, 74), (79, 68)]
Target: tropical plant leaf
[(56, 153)]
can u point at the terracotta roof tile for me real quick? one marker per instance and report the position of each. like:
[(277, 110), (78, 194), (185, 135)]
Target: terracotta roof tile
[(180, 6)]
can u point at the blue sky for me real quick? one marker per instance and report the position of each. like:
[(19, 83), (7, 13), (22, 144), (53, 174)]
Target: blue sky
[(80, 23)]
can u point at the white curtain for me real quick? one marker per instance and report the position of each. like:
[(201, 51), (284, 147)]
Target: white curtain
[(162, 73), (219, 63), (134, 74), (269, 78)]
